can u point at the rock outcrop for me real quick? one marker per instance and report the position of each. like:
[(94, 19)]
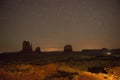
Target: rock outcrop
[(27, 46), (67, 48), (37, 50)]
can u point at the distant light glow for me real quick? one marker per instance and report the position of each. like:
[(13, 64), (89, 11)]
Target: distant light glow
[(108, 53), (52, 49)]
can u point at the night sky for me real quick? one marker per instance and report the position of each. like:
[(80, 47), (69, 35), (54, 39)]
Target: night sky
[(51, 24)]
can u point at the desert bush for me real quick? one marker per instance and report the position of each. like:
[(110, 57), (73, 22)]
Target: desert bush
[(96, 69), (93, 76)]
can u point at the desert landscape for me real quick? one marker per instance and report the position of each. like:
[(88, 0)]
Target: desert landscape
[(59, 39), (58, 65)]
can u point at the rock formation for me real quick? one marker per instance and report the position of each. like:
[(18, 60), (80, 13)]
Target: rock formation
[(26, 46), (37, 50), (67, 48)]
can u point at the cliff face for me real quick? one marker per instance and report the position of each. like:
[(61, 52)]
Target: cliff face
[(26, 46)]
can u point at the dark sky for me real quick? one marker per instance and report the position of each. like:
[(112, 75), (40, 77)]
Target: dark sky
[(51, 24)]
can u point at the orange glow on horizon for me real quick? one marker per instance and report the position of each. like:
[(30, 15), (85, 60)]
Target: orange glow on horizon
[(52, 49)]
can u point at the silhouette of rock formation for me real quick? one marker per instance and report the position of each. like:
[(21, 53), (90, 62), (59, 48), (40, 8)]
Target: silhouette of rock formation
[(115, 51), (97, 52), (67, 48), (26, 46), (104, 50), (37, 50)]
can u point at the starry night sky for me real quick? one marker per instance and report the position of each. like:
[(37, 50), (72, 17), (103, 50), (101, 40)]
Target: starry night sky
[(51, 24)]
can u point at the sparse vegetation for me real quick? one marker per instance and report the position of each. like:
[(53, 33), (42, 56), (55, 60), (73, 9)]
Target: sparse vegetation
[(58, 66), (53, 72), (27, 72)]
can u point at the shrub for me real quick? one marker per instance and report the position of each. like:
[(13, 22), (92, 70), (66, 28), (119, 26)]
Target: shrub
[(93, 76)]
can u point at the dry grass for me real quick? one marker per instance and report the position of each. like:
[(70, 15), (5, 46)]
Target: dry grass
[(27, 72), (30, 72), (115, 71), (92, 76)]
